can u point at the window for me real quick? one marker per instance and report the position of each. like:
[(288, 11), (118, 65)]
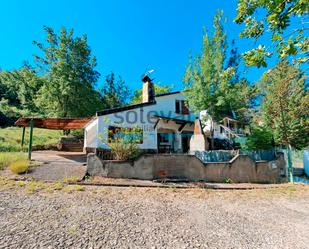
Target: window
[(129, 134), (177, 106), (181, 107), (163, 137)]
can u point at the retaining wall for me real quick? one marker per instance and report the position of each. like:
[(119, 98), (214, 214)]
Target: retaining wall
[(159, 166)]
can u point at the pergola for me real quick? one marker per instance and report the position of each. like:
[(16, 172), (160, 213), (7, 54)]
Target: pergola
[(49, 123)]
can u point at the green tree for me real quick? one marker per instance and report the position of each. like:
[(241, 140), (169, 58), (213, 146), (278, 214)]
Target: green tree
[(210, 85), (287, 40), (159, 89), (285, 105), (19, 91), (261, 138), (69, 75), (115, 92)]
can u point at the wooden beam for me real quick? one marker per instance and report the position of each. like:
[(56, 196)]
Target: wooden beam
[(181, 127), (54, 123), (155, 126)]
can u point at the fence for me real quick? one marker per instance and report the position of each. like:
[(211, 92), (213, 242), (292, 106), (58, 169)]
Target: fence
[(227, 155)]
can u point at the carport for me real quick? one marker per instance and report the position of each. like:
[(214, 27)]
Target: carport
[(48, 123)]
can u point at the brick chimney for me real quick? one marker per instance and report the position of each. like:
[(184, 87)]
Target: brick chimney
[(148, 90)]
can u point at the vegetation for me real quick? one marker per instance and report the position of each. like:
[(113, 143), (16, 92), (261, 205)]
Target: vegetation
[(62, 83), (69, 75), (10, 138), (6, 158), (19, 167), (212, 81), (261, 138), (114, 92), (275, 20), (285, 105), (123, 149)]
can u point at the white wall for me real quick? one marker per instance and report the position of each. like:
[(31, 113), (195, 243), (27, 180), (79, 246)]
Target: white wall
[(90, 134), (142, 117)]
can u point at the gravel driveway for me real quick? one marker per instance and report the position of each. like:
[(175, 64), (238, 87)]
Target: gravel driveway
[(111, 217), (58, 165)]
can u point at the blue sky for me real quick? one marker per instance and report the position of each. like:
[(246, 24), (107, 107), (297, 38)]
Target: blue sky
[(126, 36)]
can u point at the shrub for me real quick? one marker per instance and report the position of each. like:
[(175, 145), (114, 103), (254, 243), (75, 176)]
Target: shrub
[(19, 167), (6, 158), (260, 138), (124, 149)]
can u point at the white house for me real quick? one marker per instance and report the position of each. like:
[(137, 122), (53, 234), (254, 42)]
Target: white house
[(164, 121)]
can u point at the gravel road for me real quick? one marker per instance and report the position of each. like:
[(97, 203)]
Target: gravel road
[(110, 217)]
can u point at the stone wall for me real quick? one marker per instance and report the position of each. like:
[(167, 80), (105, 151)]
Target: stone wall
[(159, 166)]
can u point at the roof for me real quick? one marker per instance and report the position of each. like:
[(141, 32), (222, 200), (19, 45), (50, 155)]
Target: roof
[(165, 94), (131, 107), (177, 120), (124, 108), (54, 123)]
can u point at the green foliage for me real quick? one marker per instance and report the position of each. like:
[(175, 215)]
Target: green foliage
[(285, 105), (20, 166), (10, 138), (286, 40), (20, 91), (261, 138), (6, 158), (69, 75), (114, 92), (123, 149), (213, 87), (159, 89)]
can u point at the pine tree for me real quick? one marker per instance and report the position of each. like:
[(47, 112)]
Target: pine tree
[(285, 105)]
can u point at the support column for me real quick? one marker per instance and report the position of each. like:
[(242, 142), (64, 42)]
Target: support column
[(23, 137), (30, 139)]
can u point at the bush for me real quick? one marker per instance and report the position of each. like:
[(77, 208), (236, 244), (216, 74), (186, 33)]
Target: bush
[(6, 158), (19, 167), (260, 138), (124, 149)]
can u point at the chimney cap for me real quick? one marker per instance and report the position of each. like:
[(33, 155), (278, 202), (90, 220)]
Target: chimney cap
[(145, 78)]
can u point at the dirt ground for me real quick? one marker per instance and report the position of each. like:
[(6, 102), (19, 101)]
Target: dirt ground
[(117, 217), (54, 166)]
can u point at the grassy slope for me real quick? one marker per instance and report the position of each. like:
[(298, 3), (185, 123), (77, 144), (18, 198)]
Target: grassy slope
[(10, 138)]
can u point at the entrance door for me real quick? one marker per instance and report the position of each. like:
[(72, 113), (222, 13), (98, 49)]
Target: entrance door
[(185, 140)]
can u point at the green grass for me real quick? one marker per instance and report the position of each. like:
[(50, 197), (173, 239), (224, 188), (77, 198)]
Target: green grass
[(7, 158), (10, 138)]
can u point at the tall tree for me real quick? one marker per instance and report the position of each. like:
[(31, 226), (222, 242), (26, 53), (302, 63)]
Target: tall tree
[(159, 89), (285, 105), (210, 85), (21, 88), (287, 40), (115, 92), (70, 75)]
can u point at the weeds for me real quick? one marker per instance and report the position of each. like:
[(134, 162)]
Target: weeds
[(20, 166), (72, 179), (6, 158)]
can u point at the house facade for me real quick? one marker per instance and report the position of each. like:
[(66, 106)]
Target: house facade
[(164, 122)]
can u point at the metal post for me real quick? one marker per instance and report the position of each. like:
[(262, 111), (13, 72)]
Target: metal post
[(30, 139), (23, 137), (290, 165)]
